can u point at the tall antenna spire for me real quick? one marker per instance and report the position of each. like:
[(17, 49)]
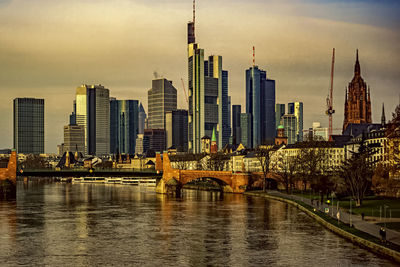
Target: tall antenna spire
[(254, 56)]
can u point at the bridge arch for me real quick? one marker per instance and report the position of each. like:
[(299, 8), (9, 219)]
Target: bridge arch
[(222, 183)]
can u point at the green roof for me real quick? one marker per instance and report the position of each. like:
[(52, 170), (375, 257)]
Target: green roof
[(281, 127), (214, 138)]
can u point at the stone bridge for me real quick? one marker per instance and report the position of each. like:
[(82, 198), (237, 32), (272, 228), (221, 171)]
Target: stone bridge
[(8, 178), (174, 179)]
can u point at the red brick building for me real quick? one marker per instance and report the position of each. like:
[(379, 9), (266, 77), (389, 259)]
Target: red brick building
[(357, 107)]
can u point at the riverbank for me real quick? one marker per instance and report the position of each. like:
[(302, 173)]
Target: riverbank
[(361, 238)]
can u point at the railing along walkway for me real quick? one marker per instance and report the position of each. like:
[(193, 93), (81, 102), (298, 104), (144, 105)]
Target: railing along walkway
[(357, 221)]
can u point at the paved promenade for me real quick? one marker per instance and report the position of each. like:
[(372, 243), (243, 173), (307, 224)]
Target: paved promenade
[(358, 223)]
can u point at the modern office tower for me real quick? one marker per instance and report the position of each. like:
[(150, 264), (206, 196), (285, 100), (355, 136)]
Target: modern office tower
[(320, 132), (124, 125), (176, 127), (236, 130), (93, 113), (142, 119), (142, 144), (246, 135), (29, 125), (296, 108), (72, 116), (290, 126), (208, 96), (357, 106), (161, 99), (230, 114), (156, 139), (74, 138), (279, 112), (260, 103)]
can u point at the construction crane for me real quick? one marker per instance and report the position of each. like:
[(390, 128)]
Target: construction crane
[(186, 97), (329, 99)]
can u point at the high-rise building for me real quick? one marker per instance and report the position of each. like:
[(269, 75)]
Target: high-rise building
[(245, 126), (142, 119), (72, 116), (208, 96), (93, 113), (279, 112), (319, 133), (29, 125), (156, 139), (124, 125), (142, 144), (176, 127), (290, 126), (236, 130), (161, 99), (260, 103), (357, 106), (296, 108), (74, 138)]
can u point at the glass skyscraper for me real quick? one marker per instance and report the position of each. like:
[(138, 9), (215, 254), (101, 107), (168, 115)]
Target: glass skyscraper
[(290, 125), (260, 103), (236, 128), (176, 126), (93, 113), (246, 135), (161, 99), (296, 108), (29, 125), (279, 112), (124, 125)]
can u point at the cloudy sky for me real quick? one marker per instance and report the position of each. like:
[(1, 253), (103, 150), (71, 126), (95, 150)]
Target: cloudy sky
[(48, 48)]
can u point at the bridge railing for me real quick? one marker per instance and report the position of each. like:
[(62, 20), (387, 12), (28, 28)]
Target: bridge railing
[(127, 170)]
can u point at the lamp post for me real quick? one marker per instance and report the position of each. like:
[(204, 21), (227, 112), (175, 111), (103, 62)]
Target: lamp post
[(350, 214), (384, 208)]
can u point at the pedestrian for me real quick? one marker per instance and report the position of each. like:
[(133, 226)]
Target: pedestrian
[(362, 216), (382, 233), (312, 202), (384, 236)]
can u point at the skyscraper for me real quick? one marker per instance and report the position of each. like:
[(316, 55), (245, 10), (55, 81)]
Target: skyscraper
[(357, 106), (93, 113), (74, 138), (279, 112), (236, 130), (161, 99), (245, 123), (124, 125), (142, 118), (208, 96), (29, 125), (296, 108), (290, 126), (260, 103), (176, 126), (155, 139)]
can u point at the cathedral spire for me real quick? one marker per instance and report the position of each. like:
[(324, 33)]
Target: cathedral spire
[(357, 69), (383, 118)]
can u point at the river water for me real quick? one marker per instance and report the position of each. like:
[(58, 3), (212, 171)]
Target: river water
[(88, 225)]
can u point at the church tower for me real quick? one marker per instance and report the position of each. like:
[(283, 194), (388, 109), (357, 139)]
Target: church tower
[(357, 107)]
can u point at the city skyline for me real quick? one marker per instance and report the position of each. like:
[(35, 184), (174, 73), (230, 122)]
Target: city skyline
[(49, 57)]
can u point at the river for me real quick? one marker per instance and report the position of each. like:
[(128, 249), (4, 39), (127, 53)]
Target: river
[(60, 224)]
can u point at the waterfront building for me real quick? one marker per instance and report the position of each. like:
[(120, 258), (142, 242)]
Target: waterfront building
[(245, 125), (93, 113), (208, 96), (29, 125), (236, 130), (290, 126), (206, 144), (142, 119), (279, 112), (124, 125), (176, 127), (260, 103), (156, 139), (296, 108), (161, 99), (74, 139), (357, 106)]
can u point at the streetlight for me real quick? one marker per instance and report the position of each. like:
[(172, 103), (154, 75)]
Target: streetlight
[(384, 208), (350, 213)]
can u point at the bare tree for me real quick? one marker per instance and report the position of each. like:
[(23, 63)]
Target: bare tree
[(287, 170), (357, 171), (264, 154), (218, 161)]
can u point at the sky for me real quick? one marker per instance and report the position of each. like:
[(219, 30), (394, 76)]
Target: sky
[(48, 48)]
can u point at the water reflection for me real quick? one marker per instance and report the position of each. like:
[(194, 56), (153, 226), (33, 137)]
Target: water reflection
[(86, 225)]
